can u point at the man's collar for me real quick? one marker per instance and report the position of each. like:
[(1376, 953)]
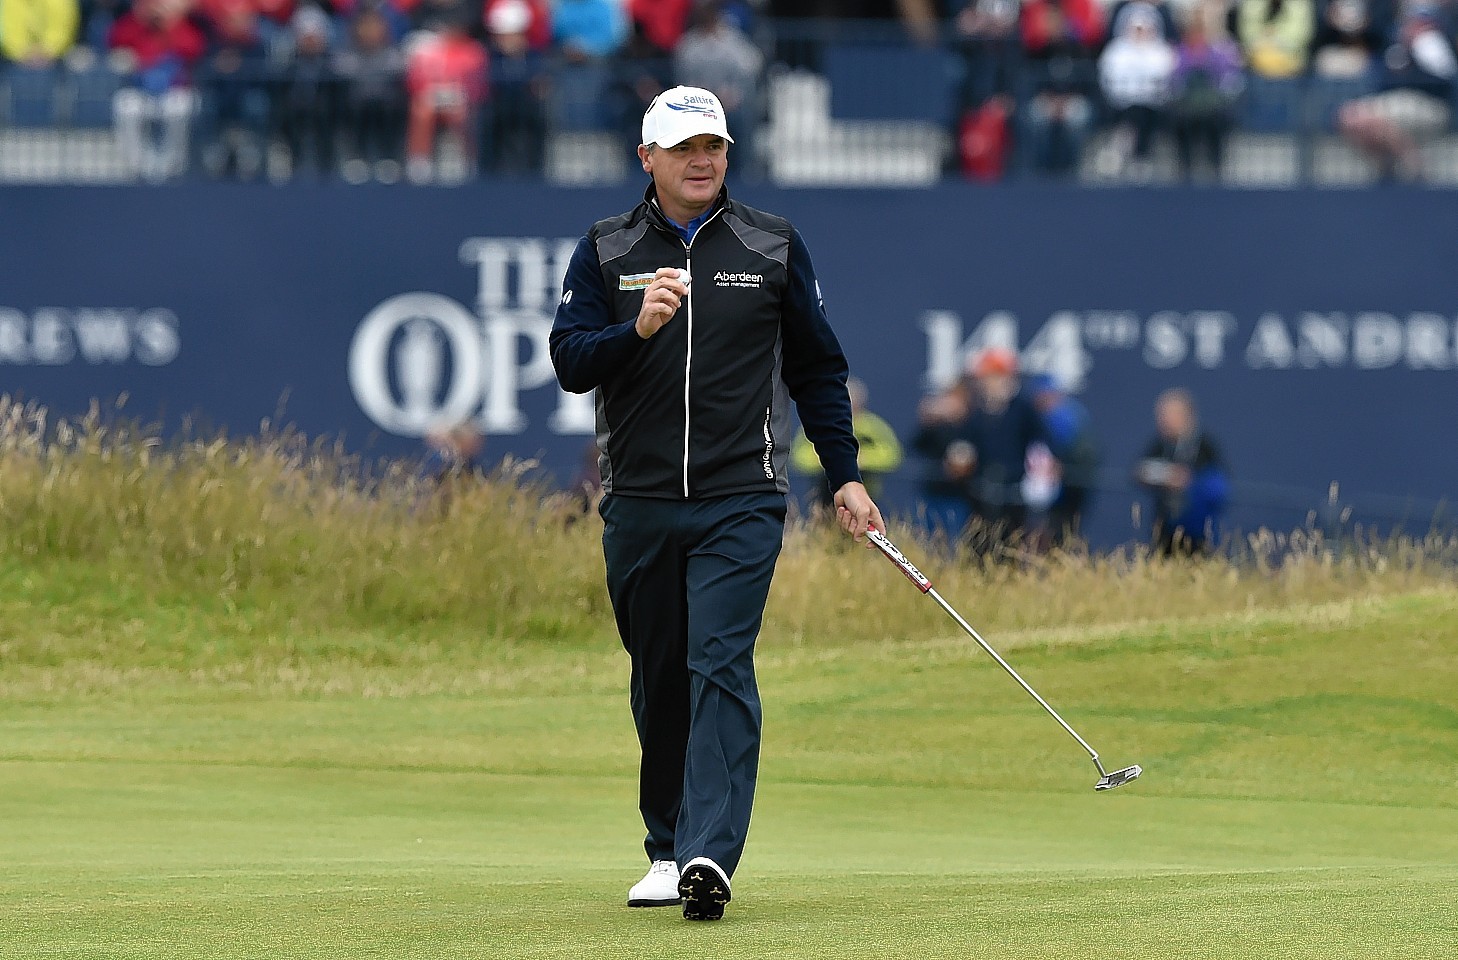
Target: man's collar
[(650, 197)]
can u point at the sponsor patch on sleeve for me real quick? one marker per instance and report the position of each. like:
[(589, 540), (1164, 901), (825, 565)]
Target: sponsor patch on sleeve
[(634, 281)]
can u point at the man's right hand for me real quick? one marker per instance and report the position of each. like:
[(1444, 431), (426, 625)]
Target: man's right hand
[(661, 300)]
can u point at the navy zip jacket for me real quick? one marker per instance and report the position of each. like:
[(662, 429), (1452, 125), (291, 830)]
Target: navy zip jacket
[(702, 408)]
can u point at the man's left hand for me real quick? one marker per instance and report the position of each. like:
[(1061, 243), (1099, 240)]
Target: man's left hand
[(855, 512)]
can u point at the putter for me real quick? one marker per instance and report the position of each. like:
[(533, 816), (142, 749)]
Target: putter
[(1107, 780)]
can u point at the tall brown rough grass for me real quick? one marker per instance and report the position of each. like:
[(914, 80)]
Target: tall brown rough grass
[(283, 523), (825, 587), (305, 536)]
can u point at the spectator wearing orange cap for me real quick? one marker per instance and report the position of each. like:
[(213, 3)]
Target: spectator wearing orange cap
[(995, 438)]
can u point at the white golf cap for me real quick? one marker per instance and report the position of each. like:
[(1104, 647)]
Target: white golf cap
[(683, 112)]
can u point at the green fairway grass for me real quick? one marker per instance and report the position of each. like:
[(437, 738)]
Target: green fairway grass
[(260, 702), (182, 779)]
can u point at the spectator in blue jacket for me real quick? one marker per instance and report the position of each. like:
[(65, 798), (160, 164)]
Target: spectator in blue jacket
[(589, 29), (1072, 443), (1183, 470)]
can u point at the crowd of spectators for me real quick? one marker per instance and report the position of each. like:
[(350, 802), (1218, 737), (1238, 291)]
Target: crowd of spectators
[(1054, 69), (1012, 463), (381, 88), (391, 88)]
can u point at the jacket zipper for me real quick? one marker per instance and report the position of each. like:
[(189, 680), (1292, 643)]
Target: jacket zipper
[(689, 355)]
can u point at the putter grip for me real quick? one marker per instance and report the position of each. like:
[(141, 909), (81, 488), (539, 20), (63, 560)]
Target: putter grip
[(923, 583)]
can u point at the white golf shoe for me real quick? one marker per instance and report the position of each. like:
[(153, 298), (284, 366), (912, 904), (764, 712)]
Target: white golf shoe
[(704, 887), (658, 888)]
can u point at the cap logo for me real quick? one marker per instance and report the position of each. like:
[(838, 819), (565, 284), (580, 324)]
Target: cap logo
[(703, 106)]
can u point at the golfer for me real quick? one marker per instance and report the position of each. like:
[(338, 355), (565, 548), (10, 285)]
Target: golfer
[(697, 320)]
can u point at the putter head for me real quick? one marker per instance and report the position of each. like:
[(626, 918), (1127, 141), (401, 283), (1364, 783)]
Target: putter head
[(1118, 778)]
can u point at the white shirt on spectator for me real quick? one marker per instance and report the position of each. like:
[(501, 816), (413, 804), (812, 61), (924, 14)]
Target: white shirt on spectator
[(1136, 66)]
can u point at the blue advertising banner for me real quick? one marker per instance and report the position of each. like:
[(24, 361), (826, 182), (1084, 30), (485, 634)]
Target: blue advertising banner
[(1318, 331)]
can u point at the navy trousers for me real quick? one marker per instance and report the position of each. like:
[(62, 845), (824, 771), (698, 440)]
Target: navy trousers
[(688, 581)]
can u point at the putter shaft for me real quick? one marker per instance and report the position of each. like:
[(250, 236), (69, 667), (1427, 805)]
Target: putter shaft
[(971, 632), (1107, 780)]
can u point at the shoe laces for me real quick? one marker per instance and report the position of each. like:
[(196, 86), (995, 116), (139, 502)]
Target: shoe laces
[(663, 866)]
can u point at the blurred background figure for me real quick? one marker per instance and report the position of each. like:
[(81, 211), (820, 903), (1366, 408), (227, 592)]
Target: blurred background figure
[(1183, 470), (1167, 28), (97, 18), (277, 15), (991, 48), (1135, 71), (539, 21), (880, 452), (453, 452), (159, 46), (429, 17), (716, 55), (37, 33), (638, 71), (661, 24), (1347, 41), (235, 108), (992, 461), (1076, 454), (1060, 40), (1209, 77), (371, 69), (1276, 35), (446, 78), (308, 107), (589, 30), (943, 503), (987, 39), (514, 119), (604, 65), (1414, 103)]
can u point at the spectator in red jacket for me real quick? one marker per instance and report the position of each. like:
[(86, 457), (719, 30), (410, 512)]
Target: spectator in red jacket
[(162, 41), (1070, 27), (280, 12), (154, 112), (662, 22), (446, 80)]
